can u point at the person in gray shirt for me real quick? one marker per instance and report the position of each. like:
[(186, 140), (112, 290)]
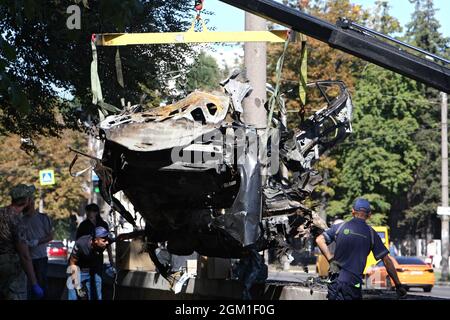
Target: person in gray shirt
[(39, 233)]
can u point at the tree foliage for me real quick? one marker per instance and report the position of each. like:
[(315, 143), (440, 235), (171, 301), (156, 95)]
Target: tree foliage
[(204, 74), (40, 58), (68, 194), (392, 158), (424, 195), (379, 159), (324, 62), (43, 64)]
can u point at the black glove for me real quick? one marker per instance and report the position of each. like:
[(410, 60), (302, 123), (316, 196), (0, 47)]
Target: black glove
[(401, 290), (82, 293), (335, 267)]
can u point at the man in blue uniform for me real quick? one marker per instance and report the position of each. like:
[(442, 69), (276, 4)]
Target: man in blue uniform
[(354, 241)]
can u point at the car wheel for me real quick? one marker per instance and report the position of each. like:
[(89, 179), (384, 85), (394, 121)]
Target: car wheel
[(427, 289)]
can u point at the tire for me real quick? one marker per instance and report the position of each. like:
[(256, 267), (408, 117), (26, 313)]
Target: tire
[(427, 289)]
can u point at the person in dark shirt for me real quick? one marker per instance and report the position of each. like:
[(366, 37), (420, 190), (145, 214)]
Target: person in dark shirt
[(354, 241), (87, 260), (92, 221)]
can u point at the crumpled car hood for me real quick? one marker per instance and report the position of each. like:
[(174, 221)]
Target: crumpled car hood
[(169, 126)]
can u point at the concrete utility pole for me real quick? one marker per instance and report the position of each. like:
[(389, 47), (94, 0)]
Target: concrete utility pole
[(256, 65), (444, 218), (255, 61), (92, 195), (41, 200)]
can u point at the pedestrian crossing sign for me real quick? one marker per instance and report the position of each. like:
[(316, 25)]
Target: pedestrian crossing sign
[(47, 177)]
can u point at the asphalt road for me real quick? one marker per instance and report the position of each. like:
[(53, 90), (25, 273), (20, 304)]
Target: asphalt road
[(289, 276), (442, 292), (437, 292)]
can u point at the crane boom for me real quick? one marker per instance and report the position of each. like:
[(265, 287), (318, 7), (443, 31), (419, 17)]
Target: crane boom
[(355, 40)]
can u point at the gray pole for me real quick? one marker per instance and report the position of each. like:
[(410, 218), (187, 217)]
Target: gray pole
[(256, 63), (90, 182), (445, 218), (41, 200)]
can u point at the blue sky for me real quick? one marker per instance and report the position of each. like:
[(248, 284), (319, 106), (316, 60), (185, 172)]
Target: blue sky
[(227, 18)]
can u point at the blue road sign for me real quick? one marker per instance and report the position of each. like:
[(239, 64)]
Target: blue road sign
[(47, 177)]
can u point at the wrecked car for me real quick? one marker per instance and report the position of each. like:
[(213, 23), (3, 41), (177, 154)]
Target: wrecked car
[(192, 170)]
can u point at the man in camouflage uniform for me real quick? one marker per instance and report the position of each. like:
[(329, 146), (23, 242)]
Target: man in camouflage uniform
[(14, 254)]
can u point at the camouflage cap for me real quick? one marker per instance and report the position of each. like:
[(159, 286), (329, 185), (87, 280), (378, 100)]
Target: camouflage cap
[(22, 191)]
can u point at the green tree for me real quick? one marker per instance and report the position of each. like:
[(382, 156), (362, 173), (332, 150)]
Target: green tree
[(40, 57), (204, 74), (60, 200), (382, 158), (324, 63), (423, 30), (382, 21), (424, 195), (379, 159)]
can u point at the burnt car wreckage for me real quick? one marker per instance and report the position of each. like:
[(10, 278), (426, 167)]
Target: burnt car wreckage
[(192, 170)]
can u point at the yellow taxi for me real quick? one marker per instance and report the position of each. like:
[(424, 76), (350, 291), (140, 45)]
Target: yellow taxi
[(412, 272), (322, 266), (383, 232)]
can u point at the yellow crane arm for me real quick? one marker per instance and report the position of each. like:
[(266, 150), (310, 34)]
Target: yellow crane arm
[(125, 39)]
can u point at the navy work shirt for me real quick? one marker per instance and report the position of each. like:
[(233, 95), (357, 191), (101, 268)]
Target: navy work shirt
[(89, 259), (353, 245)]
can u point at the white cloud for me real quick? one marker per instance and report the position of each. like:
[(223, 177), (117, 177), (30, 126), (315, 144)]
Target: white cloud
[(230, 57), (225, 55)]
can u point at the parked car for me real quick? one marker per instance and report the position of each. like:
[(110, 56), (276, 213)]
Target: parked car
[(56, 250), (413, 272)]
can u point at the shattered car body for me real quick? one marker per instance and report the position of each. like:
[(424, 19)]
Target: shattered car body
[(192, 170)]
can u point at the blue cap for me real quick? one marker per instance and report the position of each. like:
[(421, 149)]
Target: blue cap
[(362, 205), (101, 232)]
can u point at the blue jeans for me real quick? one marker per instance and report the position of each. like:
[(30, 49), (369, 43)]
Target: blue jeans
[(85, 276)]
